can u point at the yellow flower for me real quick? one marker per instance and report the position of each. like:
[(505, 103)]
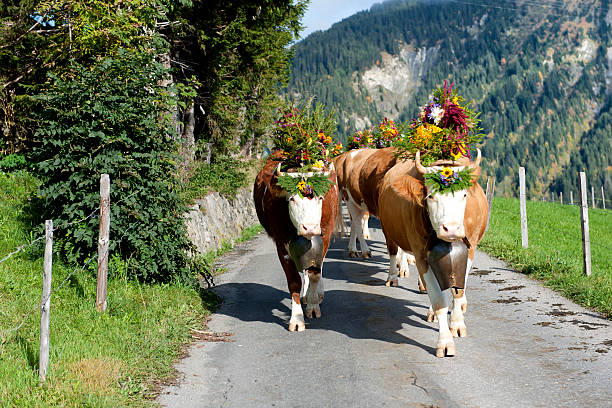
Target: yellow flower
[(434, 129), (289, 139), (318, 164), (455, 100), (321, 135), (447, 172), (301, 185), (457, 151)]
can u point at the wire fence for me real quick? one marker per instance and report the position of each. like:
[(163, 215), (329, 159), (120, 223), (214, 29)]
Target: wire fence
[(519, 216), (94, 214)]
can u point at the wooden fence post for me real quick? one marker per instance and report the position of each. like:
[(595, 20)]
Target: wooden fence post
[(603, 198), (561, 198), (490, 192), (593, 196), (584, 218), (103, 242), (571, 197), (524, 238), (45, 308)]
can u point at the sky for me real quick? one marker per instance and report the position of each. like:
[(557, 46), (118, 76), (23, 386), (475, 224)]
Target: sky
[(321, 14)]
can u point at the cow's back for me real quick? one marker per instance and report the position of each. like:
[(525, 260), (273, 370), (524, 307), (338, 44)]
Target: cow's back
[(371, 176)]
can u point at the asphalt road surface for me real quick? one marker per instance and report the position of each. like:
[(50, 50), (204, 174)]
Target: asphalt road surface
[(526, 347)]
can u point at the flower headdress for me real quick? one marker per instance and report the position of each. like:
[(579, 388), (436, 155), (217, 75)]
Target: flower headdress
[(444, 129), (383, 135), (303, 138)]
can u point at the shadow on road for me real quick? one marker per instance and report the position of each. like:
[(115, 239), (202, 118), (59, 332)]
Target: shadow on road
[(355, 314)]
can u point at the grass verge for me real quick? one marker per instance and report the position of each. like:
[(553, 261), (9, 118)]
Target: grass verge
[(554, 255), (119, 358)]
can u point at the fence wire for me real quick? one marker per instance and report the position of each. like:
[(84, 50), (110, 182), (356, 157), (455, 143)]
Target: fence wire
[(516, 217), (93, 214)]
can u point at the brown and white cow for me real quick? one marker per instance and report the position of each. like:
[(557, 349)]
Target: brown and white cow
[(348, 166), (370, 178), (411, 216), (284, 217)]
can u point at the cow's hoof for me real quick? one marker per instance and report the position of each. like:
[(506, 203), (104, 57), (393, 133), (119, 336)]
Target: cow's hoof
[(299, 326), (431, 316), (366, 235), (422, 288), (460, 331), (313, 308), (367, 255), (321, 296), (403, 274), (353, 254), (447, 350), (392, 282)]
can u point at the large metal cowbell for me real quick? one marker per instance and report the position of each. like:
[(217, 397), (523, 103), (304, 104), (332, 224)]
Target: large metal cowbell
[(306, 253), (448, 261)]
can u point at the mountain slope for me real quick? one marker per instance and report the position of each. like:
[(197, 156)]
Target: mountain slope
[(538, 71)]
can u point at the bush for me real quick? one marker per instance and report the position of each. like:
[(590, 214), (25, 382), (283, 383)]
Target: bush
[(113, 116), (225, 175)]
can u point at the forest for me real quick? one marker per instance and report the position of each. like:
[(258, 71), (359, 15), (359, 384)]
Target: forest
[(536, 72), (165, 96)]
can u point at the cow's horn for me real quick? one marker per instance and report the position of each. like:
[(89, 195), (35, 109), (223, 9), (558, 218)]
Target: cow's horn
[(476, 162), (417, 162)]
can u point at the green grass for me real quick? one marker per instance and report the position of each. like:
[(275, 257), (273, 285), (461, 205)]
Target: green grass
[(114, 359), (554, 255)]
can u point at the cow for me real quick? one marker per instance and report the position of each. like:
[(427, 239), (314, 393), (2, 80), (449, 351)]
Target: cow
[(411, 217), (348, 166), (367, 188), (285, 217)]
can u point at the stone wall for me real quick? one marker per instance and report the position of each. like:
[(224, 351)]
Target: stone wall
[(214, 219)]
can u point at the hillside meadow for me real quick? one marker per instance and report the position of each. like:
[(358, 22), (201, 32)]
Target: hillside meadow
[(554, 255)]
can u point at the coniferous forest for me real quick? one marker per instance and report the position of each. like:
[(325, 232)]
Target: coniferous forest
[(538, 71)]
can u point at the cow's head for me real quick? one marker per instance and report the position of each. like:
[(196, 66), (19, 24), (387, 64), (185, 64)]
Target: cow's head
[(305, 212), (446, 211)]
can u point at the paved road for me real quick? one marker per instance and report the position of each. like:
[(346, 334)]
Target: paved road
[(526, 345)]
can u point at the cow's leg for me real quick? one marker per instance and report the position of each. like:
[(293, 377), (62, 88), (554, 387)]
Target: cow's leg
[(445, 345), (404, 259), (365, 220), (356, 213), (392, 279), (340, 227), (457, 324), (312, 294), (294, 283)]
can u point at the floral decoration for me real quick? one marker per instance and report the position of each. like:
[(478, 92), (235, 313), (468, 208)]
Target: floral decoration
[(383, 135), (445, 128), (448, 180), (303, 136)]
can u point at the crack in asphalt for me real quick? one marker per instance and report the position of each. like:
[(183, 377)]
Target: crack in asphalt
[(414, 382)]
